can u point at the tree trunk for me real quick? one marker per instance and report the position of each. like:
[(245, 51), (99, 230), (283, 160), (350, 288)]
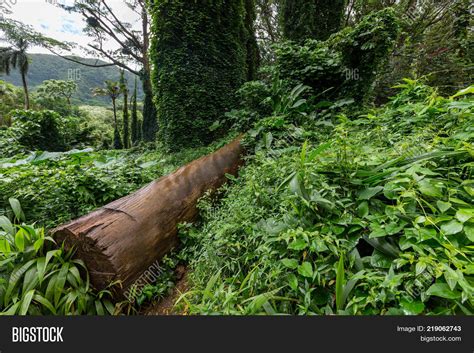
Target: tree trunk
[(121, 240), (150, 122), (25, 89)]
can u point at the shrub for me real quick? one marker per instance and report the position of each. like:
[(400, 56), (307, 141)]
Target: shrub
[(38, 129)]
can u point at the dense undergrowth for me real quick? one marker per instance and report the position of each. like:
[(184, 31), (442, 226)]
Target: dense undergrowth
[(37, 275), (54, 187), (359, 214)]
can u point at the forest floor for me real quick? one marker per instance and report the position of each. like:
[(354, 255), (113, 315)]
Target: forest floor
[(166, 306)]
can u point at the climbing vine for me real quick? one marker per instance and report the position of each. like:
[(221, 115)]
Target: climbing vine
[(199, 53)]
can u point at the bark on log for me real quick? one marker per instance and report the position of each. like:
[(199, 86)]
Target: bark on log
[(122, 239)]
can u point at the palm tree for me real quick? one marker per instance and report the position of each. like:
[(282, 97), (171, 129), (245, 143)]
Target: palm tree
[(112, 90), (15, 57)]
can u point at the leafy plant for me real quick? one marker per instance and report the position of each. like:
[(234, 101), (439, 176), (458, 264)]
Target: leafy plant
[(391, 190), (37, 278)]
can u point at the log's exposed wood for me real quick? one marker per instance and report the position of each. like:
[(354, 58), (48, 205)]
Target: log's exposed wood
[(122, 239)]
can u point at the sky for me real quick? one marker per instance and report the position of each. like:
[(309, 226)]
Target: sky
[(56, 23)]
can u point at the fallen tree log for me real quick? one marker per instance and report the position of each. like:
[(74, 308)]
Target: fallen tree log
[(121, 240)]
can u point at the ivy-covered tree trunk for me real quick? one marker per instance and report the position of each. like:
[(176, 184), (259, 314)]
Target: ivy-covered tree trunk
[(150, 125), (253, 55), (199, 59), (311, 19)]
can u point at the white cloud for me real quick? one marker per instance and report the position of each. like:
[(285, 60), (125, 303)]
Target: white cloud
[(57, 23)]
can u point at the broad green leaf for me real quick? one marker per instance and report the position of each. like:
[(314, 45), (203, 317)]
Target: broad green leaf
[(298, 244), (26, 301), (377, 233), (363, 209), (463, 92), (420, 267), (412, 307), (306, 269), (4, 246), (427, 188), (20, 240), (44, 302), (43, 263), (109, 306), (452, 227), (443, 206), (6, 225), (15, 277), (317, 151), (368, 193), (464, 214), (290, 263), (469, 230), (16, 207), (293, 282), (60, 281), (451, 277), (442, 290)]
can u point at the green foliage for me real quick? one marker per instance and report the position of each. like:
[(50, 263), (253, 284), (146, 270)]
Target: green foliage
[(48, 131), (311, 19), (369, 216), (57, 90), (345, 65), (56, 187), (38, 129), (36, 278), (12, 98), (56, 95), (434, 43), (196, 75)]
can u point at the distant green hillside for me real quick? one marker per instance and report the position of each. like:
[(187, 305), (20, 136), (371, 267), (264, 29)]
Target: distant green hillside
[(48, 67)]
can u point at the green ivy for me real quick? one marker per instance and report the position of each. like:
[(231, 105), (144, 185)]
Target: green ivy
[(345, 65), (199, 52)]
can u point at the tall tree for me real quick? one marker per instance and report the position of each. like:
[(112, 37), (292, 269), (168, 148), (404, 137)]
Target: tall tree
[(103, 25), (15, 57), (314, 19), (125, 119), (112, 90), (135, 124), (57, 89), (199, 56), (20, 37)]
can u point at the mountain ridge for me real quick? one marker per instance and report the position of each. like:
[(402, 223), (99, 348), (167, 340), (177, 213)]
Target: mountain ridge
[(52, 67)]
